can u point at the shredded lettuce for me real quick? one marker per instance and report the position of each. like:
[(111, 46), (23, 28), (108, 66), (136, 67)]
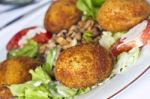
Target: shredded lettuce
[(89, 7), (126, 59), (30, 49), (109, 38)]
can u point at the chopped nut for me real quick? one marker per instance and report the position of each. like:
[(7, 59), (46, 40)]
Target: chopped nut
[(95, 32), (72, 43), (43, 48), (97, 39), (81, 24), (73, 35), (61, 41), (89, 25), (78, 36), (72, 30), (51, 45), (62, 33), (69, 39)]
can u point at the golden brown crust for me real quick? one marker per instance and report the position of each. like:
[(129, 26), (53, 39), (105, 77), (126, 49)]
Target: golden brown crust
[(61, 15), (5, 93), (83, 65), (121, 15), (16, 70)]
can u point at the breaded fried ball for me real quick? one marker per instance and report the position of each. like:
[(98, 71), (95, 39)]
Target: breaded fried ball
[(121, 15), (62, 14), (5, 92), (16, 70), (83, 65)]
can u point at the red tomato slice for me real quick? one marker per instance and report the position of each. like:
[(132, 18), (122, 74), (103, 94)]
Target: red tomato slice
[(40, 38)]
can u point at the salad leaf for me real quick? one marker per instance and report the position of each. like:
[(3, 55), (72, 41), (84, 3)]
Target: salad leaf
[(19, 89), (30, 49), (49, 60), (89, 7), (39, 75), (98, 3), (33, 89), (108, 38), (87, 36), (83, 90), (126, 59), (29, 91), (65, 91), (58, 90), (39, 92)]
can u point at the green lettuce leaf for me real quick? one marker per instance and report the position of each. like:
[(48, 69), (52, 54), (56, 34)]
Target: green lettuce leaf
[(50, 60), (30, 90), (98, 3), (40, 75), (39, 92), (87, 36), (59, 90), (35, 89), (89, 7), (30, 49)]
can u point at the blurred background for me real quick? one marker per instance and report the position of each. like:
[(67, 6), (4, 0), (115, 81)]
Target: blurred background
[(13, 10)]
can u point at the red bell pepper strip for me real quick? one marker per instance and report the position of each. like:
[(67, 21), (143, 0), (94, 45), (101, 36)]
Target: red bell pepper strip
[(40, 38)]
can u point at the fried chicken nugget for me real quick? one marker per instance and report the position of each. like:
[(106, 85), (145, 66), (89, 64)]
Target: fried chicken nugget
[(83, 65), (61, 15), (5, 92), (121, 15), (16, 70)]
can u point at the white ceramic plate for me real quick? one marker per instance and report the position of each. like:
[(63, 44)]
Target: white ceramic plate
[(110, 88)]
